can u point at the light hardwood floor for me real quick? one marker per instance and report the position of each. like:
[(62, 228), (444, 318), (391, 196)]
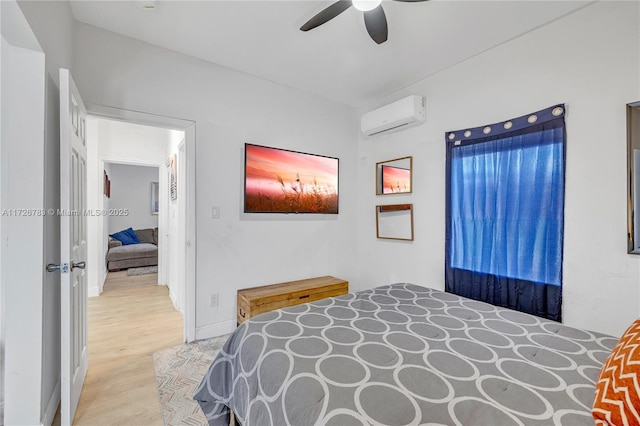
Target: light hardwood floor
[(128, 322)]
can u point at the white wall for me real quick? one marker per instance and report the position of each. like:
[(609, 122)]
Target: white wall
[(3, 168), (588, 60), (127, 143), (131, 191), (22, 234), (231, 108), (2, 320)]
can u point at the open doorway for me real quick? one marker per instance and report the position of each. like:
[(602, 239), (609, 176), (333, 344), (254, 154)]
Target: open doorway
[(134, 184), (139, 139)]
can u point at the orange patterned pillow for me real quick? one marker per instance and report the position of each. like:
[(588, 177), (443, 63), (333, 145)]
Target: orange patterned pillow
[(617, 398)]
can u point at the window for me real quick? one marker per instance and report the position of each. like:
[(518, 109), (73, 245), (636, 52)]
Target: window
[(505, 213)]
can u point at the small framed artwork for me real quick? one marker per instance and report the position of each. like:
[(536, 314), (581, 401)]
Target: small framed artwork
[(155, 192), (173, 178), (394, 176)]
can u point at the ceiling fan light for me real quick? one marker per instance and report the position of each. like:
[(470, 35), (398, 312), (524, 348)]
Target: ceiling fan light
[(366, 5)]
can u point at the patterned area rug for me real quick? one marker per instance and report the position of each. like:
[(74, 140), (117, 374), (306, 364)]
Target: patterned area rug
[(179, 371), (143, 270)]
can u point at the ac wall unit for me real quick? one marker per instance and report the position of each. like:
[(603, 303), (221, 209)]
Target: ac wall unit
[(399, 115)]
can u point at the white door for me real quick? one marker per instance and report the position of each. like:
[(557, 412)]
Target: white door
[(73, 245)]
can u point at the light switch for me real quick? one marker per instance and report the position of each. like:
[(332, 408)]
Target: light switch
[(215, 212)]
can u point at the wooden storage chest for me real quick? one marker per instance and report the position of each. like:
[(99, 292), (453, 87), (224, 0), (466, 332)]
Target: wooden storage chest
[(258, 300)]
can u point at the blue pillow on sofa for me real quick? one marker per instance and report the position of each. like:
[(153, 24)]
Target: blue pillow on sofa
[(126, 237)]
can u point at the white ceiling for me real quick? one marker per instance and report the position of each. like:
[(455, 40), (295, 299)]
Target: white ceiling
[(337, 60)]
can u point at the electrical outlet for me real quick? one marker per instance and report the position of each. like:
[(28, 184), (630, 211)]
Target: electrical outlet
[(214, 300)]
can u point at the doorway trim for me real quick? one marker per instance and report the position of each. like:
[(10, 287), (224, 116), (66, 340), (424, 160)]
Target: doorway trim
[(189, 128)]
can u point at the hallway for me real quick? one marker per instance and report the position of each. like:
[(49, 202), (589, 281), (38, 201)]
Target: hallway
[(128, 322)]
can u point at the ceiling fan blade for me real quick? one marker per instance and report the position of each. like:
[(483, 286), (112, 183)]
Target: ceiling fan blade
[(326, 15), (376, 22)]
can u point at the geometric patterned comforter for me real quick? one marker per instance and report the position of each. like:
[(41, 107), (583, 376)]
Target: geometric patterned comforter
[(403, 354)]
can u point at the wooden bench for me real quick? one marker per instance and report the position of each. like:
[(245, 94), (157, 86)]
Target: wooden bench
[(258, 300)]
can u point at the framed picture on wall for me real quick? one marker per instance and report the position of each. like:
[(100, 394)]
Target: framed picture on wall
[(283, 181), (155, 195), (173, 178)]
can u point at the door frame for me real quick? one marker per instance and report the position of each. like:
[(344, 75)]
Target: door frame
[(189, 129)]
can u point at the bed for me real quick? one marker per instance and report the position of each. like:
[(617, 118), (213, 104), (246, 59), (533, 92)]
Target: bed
[(404, 354)]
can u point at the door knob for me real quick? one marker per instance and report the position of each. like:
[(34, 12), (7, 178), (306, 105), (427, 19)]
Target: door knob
[(63, 267), (79, 265)]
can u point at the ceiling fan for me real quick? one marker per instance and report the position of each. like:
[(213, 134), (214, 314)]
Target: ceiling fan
[(374, 18)]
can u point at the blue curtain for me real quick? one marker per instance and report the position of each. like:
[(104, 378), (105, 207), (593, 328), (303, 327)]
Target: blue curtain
[(505, 213)]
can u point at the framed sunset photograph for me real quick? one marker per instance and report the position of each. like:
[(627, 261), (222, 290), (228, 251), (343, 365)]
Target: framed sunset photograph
[(283, 181), (395, 180)]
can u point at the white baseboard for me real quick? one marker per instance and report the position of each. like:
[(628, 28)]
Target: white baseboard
[(93, 291), (174, 299), (52, 406), (215, 330), (105, 272)]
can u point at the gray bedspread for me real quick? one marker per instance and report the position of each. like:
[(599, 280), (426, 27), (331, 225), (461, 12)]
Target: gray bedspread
[(404, 355)]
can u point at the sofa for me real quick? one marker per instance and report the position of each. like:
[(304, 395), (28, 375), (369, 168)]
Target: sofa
[(133, 255)]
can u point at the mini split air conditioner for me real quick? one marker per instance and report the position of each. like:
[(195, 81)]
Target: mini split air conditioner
[(399, 115)]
